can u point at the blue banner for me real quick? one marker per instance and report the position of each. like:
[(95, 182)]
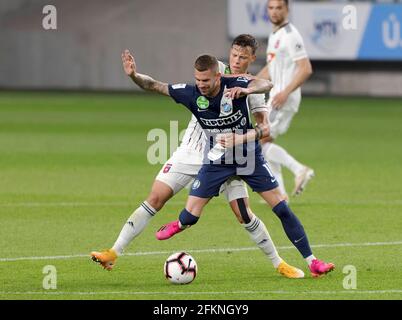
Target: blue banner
[(382, 38)]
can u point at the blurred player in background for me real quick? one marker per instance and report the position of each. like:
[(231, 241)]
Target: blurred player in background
[(288, 67), (181, 169)]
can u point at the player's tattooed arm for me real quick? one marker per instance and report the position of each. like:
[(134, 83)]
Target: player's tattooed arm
[(147, 83), (262, 128), (259, 85), (143, 81), (255, 86)]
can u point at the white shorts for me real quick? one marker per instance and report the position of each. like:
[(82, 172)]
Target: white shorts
[(234, 188), (178, 176), (280, 120)]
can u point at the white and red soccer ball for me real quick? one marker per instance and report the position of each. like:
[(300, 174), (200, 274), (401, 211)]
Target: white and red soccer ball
[(180, 268)]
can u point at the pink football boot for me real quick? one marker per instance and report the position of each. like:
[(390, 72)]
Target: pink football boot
[(168, 230), (319, 268)]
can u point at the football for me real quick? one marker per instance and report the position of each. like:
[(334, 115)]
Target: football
[(180, 268)]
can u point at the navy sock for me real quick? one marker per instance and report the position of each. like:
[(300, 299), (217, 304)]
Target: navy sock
[(187, 219), (293, 228)]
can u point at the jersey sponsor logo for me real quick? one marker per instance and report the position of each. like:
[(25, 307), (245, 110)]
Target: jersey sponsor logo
[(166, 169), (242, 79), (222, 121), (179, 86), (202, 103)]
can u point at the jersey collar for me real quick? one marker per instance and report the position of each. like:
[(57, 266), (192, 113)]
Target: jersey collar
[(284, 25)]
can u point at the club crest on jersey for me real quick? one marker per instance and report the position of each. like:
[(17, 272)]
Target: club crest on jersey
[(202, 102), (226, 106), (276, 46)]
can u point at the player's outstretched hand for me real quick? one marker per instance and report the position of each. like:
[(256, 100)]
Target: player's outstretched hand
[(128, 63), (236, 92)]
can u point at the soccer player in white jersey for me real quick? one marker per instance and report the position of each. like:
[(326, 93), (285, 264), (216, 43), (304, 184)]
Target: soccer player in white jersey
[(288, 67), (181, 169)]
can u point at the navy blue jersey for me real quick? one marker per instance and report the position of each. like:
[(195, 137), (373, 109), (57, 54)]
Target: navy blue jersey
[(219, 115)]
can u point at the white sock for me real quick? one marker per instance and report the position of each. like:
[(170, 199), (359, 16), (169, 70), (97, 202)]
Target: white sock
[(274, 153), (277, 172), (310, 259), (259, 234), (134, 226)]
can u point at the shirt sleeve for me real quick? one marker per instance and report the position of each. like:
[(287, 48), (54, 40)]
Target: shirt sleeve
[(237, 82), (297, 50), (256, 103), (181, 93)]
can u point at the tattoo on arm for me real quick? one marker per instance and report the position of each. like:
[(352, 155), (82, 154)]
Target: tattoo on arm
[(258, 131), (260, 86), (147, 83)]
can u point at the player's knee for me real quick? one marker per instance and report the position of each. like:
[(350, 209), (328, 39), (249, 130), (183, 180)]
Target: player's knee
[(157, 200)]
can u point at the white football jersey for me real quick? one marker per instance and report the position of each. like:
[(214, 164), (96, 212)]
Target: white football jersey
[(191, 149), (285, 47)]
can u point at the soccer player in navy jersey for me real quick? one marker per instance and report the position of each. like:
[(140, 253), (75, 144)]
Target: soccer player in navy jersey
[(181, 169), (220, 106)]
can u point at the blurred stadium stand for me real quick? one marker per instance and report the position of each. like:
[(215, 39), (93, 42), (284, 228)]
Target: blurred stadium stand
[(166, 36)]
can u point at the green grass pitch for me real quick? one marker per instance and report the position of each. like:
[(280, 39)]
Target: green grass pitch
[(74, 166)]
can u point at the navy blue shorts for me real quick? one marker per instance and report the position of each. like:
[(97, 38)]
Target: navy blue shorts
[(212, 176)]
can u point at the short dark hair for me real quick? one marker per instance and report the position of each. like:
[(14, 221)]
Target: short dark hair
[(206, 62), (286, 2), (246, 40)]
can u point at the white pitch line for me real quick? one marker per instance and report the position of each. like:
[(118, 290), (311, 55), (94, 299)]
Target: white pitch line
[(210, 250), (62, 204), (187, 293)]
